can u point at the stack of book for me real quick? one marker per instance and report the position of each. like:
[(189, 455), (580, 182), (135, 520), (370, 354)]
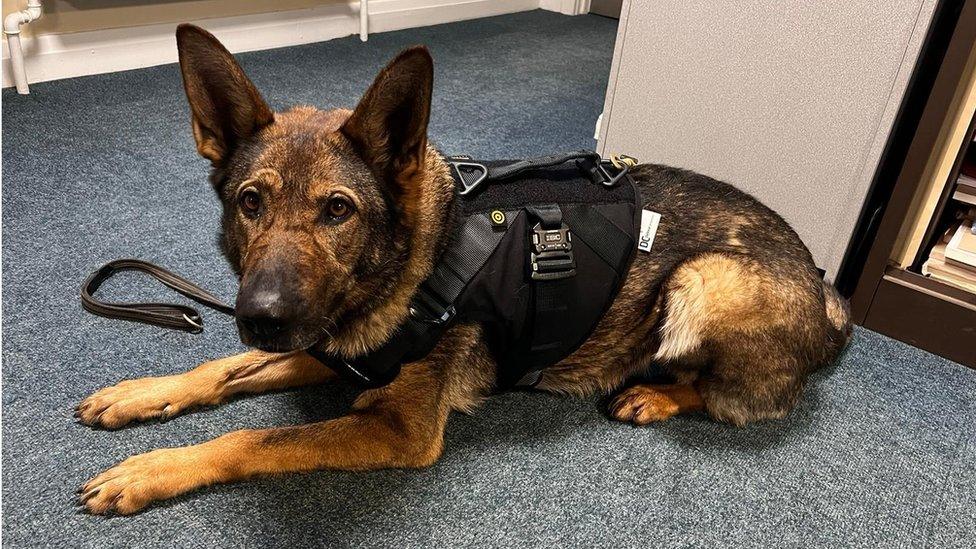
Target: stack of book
[(965, 190), (953, 260)]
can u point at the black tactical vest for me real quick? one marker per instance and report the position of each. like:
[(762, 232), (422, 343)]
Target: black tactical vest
[(541, 250)]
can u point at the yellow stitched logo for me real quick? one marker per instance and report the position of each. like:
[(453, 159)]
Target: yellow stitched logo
[(497, 217)]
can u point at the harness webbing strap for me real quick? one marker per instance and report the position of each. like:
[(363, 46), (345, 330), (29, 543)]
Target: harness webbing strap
[(475, 243), (550, 215), (611, 243), (551, 306), (431, 309), (551, 299)]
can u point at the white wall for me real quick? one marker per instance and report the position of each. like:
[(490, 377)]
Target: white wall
[(66, 16), (117, 45)]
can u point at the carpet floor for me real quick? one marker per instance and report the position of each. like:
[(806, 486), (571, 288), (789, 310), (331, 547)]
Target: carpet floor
[(880, 452)]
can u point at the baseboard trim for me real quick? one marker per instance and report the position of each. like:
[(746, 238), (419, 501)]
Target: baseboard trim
[(57, 56), (566, 7)]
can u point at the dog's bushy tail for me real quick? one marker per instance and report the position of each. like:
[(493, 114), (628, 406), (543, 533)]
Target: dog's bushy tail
[(839, 315)]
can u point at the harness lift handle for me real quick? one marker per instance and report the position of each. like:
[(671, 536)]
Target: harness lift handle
[(504, 172), (589, 162)]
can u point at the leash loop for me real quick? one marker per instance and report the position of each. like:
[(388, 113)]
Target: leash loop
[(165, 315)]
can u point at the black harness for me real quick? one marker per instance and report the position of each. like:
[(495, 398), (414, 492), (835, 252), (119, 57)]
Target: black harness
[(541, 249)]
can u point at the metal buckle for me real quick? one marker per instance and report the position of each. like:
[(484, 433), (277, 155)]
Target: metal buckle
[(426, 307), (612, 180), (468, 188), (196, 322), (552, 253), (418, 315)]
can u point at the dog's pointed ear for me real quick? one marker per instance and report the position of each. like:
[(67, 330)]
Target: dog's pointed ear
[(389, 126), (225, 106)]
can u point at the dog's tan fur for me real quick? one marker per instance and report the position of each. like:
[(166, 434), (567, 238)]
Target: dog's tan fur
[(739, 324)]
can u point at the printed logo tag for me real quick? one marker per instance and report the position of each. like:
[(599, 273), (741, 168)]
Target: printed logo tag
[(648, 229)]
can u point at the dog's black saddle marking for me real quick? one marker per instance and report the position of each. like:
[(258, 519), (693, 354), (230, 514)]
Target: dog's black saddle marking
[(543, 247)]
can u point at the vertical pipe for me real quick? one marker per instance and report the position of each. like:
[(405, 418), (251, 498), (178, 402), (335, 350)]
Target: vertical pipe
[(363, 19), (17, 63), (11, 27)]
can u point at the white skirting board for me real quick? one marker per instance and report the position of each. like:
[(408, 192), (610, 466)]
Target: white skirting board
[(56, 56), (566, 7)]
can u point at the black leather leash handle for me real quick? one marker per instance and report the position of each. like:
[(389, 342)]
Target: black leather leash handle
[(165, 315)]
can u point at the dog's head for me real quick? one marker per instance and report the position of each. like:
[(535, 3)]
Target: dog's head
[(320, 208)]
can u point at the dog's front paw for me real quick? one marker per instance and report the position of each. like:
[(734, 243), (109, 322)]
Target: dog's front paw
[(138, 481), (135, 400), (642, 404)]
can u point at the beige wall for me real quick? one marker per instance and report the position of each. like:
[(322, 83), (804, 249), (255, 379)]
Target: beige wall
[(64, 16)]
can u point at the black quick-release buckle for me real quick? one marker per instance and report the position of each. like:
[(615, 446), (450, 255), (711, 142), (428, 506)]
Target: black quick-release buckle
[(552, 253)]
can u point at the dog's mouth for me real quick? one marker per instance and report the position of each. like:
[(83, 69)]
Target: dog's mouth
[(285, 341)]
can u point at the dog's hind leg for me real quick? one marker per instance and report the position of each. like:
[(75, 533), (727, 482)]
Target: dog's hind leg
[(208, 384), (743, 332), (400, 425)]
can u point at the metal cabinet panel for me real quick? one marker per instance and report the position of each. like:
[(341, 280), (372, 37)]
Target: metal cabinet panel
[(790, 101)]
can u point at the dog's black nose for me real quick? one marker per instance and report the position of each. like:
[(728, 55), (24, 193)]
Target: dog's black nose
[(264, 314)]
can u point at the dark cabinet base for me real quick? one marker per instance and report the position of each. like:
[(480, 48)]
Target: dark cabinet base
[(925, 313)]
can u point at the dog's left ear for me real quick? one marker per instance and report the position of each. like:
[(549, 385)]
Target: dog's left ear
[(389, 126)]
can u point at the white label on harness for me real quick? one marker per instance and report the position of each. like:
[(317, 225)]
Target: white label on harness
[(649, 223)]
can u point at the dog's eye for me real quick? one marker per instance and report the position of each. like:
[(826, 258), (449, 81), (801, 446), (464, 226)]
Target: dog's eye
[(250, 201), (338, 208)]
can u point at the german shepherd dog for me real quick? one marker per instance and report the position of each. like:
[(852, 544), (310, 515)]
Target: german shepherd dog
[(331, 220)]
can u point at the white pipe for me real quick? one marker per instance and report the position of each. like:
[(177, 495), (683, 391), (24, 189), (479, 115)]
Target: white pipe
[(11, 27), (363, 19)]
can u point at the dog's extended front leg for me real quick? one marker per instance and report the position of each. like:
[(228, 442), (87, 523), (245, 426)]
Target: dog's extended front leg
[(208, 384), (401, 425)]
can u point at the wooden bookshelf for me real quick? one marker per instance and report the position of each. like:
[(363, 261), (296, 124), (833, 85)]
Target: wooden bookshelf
[(890, 294)]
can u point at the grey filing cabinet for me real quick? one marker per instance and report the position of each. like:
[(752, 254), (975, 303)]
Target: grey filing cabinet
[(790, 101)]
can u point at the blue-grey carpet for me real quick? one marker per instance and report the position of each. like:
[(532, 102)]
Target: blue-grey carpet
[(879, 453)]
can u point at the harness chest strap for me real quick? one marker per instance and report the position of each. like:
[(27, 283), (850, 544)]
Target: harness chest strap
[(431, 309)]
